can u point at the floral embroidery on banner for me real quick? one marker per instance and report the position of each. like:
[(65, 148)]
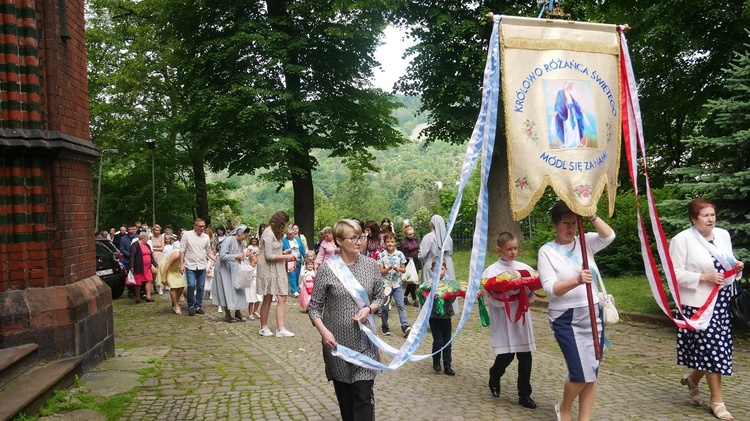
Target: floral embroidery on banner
[(529, 127), (583, 190), (521, 183)]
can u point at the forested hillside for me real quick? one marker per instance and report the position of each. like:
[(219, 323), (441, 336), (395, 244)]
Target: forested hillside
[(406, 185)]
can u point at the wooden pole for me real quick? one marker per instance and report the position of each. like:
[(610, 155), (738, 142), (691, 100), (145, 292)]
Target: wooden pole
[(589, 289)]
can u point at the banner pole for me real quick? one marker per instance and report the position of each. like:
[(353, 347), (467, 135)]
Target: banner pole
[(589, 289)]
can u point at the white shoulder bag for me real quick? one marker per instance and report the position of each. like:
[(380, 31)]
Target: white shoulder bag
[(607, 301)]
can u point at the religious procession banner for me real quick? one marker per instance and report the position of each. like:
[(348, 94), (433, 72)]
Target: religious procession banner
[(561, 95)]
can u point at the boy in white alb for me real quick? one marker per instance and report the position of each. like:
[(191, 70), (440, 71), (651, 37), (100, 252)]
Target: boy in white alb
[(510, 339)]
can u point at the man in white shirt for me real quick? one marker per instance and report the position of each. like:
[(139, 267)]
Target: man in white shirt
[(195, 249)]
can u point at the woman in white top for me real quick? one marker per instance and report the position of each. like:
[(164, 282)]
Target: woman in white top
[(564, 281), (706, 269)]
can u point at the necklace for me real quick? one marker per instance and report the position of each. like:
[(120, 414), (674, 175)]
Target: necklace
[(574, 244)]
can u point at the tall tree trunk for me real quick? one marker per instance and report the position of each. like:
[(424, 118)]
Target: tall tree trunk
[(304, 205), (201, 191), (500, 217)]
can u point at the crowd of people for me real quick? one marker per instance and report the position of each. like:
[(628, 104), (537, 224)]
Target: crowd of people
[(355, 271)]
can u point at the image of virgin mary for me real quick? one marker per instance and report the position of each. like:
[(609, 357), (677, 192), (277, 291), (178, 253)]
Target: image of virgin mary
[(568, 118)]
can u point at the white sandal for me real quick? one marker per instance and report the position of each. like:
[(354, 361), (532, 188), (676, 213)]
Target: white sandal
[(695, 394), (557, 412), (716, 408)]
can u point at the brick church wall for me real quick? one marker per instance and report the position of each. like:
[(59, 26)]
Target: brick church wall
[(49, 293)]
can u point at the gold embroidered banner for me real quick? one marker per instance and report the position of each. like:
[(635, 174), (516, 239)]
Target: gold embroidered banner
[(561, 93)]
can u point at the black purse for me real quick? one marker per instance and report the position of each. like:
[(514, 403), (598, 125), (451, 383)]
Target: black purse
[(740, 305)]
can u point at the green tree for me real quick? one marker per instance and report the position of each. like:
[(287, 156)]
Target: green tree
[(678, 49), (719, 170), (447, 71), (135, 96), (266, 83)]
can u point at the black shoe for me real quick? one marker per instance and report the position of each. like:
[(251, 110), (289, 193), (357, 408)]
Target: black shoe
[(386, 332), (494, 385), (200, 311), (495, 388), (406, 301), (191, 311), (436, 367), (527, 402), (449, 371)]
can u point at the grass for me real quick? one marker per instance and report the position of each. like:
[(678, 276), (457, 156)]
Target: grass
[(63, 400), (632, 292)]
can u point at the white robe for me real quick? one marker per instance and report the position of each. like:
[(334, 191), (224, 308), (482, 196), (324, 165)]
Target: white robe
[(508, 337)]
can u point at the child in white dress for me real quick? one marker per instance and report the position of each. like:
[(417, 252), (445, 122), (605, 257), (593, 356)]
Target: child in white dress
[(252, 297)]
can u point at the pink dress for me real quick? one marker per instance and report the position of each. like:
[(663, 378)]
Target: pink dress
[(307, 278), (147, 275)]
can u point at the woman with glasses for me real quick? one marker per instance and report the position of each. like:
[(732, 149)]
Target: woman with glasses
[(337, 305)]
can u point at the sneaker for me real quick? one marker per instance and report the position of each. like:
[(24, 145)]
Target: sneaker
[(386, 332), (406, 330), (191, 311), (200, 311), (265, 331), (283, 333), (295, 295)]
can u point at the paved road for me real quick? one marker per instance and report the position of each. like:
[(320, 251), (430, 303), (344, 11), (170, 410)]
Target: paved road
[(212, 370)]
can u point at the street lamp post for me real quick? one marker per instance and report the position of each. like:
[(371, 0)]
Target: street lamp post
[(152, 145), (99, 188)]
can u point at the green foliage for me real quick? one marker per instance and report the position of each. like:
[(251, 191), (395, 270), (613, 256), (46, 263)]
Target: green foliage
[(265, 88), (69, 400), (404, 187), (719, 169), (134, 96), (678, 49)]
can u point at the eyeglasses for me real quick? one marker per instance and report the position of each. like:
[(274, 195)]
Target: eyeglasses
[(356, 240), (200, 226)]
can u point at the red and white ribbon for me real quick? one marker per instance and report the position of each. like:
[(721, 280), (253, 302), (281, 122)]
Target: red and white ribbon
[(632, 129)]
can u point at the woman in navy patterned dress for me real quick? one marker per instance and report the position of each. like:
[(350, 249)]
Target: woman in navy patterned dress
[(706, 269)]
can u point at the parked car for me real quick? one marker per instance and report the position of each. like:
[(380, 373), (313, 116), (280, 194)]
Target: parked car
[(109, 268)]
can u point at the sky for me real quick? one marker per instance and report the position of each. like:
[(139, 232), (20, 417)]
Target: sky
[(389, 55)]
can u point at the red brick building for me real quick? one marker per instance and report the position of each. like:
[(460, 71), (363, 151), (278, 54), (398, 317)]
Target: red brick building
[(49, 294)]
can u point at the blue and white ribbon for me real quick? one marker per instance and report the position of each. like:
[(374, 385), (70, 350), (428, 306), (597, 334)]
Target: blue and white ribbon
[(482, 141)]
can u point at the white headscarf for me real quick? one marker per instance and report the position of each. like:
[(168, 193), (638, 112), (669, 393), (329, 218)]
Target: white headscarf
[(438, 223), (240, 229)]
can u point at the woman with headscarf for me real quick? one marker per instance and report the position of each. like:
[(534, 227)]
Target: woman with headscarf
[(432, 245), (231, 251)]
